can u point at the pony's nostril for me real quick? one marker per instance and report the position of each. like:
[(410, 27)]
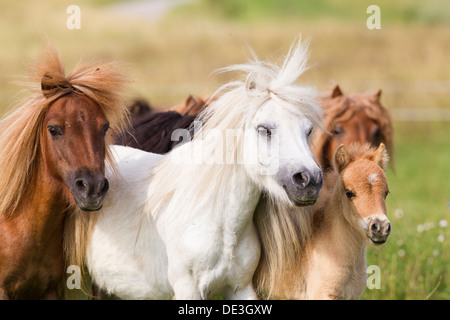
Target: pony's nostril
[(388, 229), (301, 178), (375, 227), (104, 186), (81, 184)]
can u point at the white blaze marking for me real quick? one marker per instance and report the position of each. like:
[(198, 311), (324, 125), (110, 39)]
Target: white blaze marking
[(372, 178)]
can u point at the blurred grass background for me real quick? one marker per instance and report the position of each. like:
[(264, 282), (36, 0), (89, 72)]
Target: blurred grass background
[(172, 55)]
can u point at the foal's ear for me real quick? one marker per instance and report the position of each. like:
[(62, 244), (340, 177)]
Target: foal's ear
[(381, 156), (341, 158), (337, 92), (47, 85)]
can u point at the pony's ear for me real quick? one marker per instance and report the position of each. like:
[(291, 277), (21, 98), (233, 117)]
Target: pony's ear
[(381, 156), (47, 84), (377, 95), (341, 158), (337, 92)]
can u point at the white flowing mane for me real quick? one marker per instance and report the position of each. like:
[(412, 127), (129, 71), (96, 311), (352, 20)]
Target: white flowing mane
[(234, 108)]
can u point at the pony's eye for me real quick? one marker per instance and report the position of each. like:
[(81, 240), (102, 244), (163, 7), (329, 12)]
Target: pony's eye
[(54, 131), (337, 130), (264, 131), (105, 128), (310, 131), (349, 193), (376, 134), (386, 194)]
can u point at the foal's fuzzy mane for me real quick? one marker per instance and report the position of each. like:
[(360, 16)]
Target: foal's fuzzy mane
[(233, 106), (20, 129)]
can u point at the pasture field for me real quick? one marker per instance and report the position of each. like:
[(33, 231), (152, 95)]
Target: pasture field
[(170, 57)]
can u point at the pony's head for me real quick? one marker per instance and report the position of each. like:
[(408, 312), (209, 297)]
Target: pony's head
[(277, 118), (73, 148), (364, 183), (81, 109), (358, 118), (62, 130), (284, 164)]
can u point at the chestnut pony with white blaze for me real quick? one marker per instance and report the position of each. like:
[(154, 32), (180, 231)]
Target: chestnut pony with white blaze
[(53, 151), (186, 231)]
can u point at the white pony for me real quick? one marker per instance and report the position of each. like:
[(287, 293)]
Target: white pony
[(181, 225)]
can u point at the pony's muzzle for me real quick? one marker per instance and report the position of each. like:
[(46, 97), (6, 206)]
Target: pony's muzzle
[(303, 179), (304, 186), (379, 230), (89, 191)]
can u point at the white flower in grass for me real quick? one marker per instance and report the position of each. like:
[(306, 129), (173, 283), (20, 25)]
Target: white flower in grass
[(401, 253), (443, 223), (398, 213), (420, 228), (435, 253), (441, 238)]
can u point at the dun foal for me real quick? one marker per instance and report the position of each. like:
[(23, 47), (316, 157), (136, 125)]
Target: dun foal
[(351, 209)]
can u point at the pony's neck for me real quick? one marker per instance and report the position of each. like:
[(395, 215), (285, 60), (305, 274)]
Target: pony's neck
[(243, 196), (45, 204)]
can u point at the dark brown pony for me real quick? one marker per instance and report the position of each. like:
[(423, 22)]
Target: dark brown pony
[(358, 118), (52, 160), (151, 131)]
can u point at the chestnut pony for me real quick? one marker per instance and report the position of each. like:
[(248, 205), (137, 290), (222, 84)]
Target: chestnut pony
[(53, 150), (355, 118)]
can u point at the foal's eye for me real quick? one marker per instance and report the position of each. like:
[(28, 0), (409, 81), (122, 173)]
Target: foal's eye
[(264, 131), (105, 128), (386, 194), (349, 193), (54, 131), (310, 131), (337, 130)]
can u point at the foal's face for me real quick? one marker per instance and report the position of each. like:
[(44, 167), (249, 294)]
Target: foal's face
[(366, 190), (284, 164), (73, 139)]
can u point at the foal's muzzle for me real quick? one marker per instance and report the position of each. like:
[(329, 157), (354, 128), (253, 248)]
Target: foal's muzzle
[(378, 230)]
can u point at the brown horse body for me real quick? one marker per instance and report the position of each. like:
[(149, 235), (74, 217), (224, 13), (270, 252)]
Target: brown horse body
[(54, 160)]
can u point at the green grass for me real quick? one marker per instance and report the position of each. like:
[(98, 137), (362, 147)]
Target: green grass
[(350, 11), (171, 58), (414, 261)]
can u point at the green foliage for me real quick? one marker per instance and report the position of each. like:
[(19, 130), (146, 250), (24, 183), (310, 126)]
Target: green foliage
[(401, 11), (414, 261)]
